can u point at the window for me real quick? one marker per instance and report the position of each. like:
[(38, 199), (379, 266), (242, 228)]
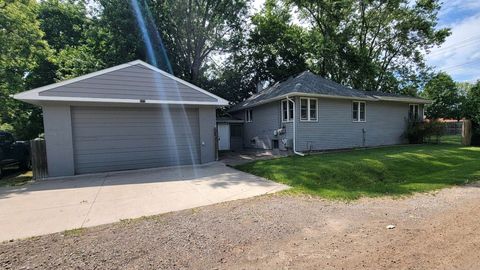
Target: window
[(413, 112), (308, 109), (359, 111), (287, 110), (249, 115)]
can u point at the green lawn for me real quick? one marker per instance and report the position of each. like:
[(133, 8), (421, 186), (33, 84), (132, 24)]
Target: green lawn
[(396, 170)]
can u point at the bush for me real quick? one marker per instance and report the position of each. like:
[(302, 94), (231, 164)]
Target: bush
[(415, 132), (421, 132)]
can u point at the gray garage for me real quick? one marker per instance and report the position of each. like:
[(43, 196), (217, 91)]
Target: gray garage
[(131, 116)]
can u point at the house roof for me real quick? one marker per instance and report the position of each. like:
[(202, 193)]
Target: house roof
[(309, 84), (134, 82)]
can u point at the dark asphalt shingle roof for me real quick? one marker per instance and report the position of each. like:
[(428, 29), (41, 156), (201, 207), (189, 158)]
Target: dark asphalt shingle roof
[(309, 83)]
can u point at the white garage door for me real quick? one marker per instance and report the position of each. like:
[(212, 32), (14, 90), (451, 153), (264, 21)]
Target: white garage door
[(113, 138)]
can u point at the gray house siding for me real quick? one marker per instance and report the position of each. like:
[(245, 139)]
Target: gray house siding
[(133, 82), (265, 120), (385, 125), (57, 123), (335, 129)]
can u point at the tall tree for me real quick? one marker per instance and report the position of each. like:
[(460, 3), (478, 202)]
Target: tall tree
[(189, 31), (375, 44), (275, 48), (63, 22), (443, 91), (21, 52), (193, 30), (472, 104)]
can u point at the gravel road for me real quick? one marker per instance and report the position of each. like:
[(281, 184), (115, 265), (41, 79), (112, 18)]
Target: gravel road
[(438, 230)]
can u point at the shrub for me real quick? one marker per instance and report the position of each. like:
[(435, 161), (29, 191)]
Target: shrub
[(415, 132), (420, 132)]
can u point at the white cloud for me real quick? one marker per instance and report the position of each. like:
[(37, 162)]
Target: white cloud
[(450, 6), (459, 55)]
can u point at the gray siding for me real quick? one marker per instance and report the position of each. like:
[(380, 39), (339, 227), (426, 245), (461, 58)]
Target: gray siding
[(266, 119), (115, 138), (58, 139), (133, 82), (385, 125)]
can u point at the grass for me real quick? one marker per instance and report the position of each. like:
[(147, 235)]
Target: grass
[(392, 171), (16, 179), (74, 232)]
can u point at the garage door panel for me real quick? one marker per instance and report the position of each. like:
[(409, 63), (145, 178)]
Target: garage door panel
[(127, 155), (99, 148), (127, 131), (108, 139)]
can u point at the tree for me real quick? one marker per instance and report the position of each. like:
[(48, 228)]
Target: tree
[(472, 103), (22, 49), (275, 48), (63, 22), (372, 45), (471, 111), (193, 30), (443, 91), (187, 31)]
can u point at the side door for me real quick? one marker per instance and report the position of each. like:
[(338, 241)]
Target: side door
[(223, 137)]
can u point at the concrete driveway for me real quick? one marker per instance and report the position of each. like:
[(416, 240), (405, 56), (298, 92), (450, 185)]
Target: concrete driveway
[(56, 205)]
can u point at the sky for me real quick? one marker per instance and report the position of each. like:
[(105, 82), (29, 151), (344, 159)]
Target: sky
[(459, 56)]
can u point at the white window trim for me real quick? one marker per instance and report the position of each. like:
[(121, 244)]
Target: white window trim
[(358, 113), (289, 117), (308, 110), (248, 117), (418, 111)]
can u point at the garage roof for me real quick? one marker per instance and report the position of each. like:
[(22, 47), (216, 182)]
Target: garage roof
[(133, 82)]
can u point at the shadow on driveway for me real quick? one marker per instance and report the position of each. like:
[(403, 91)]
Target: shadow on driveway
[(55, 205)]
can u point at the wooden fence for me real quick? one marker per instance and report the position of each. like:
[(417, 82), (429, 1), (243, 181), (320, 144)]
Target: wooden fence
[(39, 159)]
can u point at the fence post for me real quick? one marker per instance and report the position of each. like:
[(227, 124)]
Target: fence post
[(467, 132), (39, 159)]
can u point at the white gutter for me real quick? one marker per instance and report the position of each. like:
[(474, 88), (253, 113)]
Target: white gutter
[(294, 123)]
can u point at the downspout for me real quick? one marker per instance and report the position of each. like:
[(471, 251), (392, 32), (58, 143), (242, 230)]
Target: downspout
[(294, 131)]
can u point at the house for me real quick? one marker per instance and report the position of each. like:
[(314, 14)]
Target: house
[(310, 113), (130, 116)]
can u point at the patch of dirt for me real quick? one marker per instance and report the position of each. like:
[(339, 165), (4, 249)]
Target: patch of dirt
[(432, 231)]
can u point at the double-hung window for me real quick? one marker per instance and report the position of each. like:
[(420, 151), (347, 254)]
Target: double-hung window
[(359, 111), (414, 112), (287, 111), (308, 109), (248, 115)]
